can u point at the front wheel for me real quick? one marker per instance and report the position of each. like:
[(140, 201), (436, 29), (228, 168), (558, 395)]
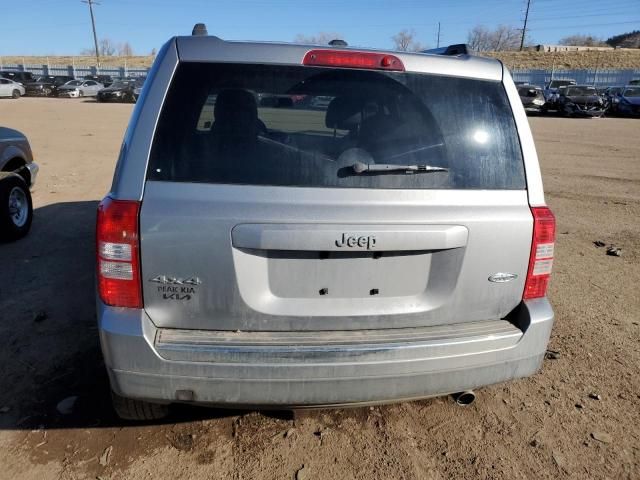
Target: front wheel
[(15, 94), (138, 410), (16, 207)]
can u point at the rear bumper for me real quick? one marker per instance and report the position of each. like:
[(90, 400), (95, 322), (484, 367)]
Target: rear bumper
[(583, 112), (110, 97), (141, 366), (628, 110)]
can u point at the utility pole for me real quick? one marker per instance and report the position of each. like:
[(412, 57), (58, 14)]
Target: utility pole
[(438, 43), (524, 28), (93, 25), (595, 75)]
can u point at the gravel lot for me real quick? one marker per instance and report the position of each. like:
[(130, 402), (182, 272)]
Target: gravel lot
[(578, 418)]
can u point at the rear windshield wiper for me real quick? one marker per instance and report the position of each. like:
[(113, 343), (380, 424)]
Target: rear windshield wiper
[(360, 167)]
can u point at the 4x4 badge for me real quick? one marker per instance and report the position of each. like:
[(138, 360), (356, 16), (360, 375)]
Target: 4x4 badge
[(165, 280)]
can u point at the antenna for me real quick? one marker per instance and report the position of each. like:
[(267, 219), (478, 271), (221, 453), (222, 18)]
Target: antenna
[(438, 42), (199, 29), (93, 25)]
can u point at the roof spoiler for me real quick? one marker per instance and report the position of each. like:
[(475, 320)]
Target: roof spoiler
[(451, 50)]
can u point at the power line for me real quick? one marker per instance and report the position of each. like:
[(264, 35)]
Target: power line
[(93, 26), (560, 27)]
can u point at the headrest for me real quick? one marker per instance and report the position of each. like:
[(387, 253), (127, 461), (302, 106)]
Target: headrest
[(232, 100), (344, 113)]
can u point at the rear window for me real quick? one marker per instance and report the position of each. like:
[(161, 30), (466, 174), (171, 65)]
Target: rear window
[(317, 127)]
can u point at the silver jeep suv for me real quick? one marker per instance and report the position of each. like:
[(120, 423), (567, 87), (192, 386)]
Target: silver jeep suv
[(296, 225)]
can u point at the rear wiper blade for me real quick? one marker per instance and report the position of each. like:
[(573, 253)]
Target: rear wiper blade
[(360, 167)]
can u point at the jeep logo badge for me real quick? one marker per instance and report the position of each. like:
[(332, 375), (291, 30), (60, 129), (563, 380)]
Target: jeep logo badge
[(502, 277), (363, 241)]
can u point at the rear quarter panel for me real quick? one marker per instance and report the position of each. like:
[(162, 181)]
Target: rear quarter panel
[(529, 154), (13, 145), (131, 169)]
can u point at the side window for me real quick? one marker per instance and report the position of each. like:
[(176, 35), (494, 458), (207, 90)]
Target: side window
[(3, 81), (205, 121)]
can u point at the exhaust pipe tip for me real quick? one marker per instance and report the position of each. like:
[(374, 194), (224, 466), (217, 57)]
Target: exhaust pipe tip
[(464, 399)]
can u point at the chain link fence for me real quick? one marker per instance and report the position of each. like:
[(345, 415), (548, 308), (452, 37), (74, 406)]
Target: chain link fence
[(76, 71), (597, 78)]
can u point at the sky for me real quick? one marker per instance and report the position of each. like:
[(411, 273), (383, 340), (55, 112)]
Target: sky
[(63, 27)]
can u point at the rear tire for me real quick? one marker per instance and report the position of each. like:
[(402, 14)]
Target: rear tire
[(138, 410), (15, 94), (16, 207)]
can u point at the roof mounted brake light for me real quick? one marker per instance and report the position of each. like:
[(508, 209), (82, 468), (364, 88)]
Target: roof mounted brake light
[(353, 59)]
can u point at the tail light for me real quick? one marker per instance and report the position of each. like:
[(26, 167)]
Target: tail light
[(541, 259), (117, 250), (353, 59)]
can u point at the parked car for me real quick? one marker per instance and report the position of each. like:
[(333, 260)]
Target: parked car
[(551, 92), (137, 90), (320, 101), (580, 101), (80, 88), (611, 99), (17, 76), (9, 88), (105, 80), (629, 101), (532, 98), (394, 244), (634, 82), (46, 85), (118, 91), (18, 173)]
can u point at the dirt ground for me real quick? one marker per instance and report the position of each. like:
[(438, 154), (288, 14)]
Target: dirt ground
[(547, 426)]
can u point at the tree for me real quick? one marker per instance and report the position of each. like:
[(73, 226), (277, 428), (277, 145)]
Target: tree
[(580, 40), (625, 40), (504, 37), (106, 47), (321, 38), (125, 50), (404, 41)]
